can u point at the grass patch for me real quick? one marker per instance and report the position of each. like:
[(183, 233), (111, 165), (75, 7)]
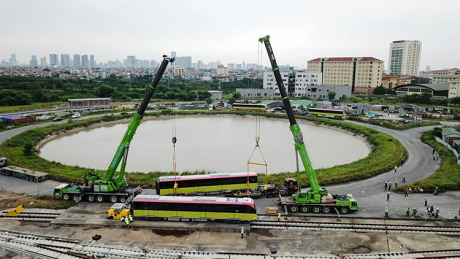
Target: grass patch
[(447, 177), (386, 151)]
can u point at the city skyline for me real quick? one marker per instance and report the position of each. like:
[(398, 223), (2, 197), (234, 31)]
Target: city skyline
[(212, 31)]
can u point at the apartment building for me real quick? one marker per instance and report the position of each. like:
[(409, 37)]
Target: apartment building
[(454, 89), (444, 76), (270, 81), (404, 57), (363, 74), (303, 81)]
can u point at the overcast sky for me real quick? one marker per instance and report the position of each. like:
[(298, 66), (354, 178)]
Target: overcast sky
[(228, 31)]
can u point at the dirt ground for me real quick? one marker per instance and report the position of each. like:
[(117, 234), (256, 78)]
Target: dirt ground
[(9, 199)]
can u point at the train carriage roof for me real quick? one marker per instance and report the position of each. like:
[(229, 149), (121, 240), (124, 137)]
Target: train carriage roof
[(204, 176)]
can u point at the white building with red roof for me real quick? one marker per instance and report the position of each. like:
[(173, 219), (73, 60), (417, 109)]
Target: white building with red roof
[(363, 74)]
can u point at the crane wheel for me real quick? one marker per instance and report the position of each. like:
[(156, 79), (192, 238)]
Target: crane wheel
[(304, 209), (100, 198), (91, 198), (66, 197), (344, 210), (122, 199), (113, 199), (326, 210), (316, 209), (75, 198), (294, 209)]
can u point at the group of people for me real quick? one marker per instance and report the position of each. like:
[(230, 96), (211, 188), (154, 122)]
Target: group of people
[(388, 186), (128, 219), (415, 190), (430, 210)]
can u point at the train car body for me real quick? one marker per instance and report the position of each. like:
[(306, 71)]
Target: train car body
[(205, 183), (156, 207), (249, 107), (328, 113)]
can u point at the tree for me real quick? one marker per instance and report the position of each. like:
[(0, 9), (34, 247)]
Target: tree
[(331, 95), (237, 95), (382, 90), (28, 149), (106, 90), (231, 100)]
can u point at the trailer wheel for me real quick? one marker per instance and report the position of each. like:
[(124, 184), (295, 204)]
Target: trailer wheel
[(326, 210), (100, 198), (27, 178), (66, 197), (91, 198), (304, 209), (293, 209), (316, 209), (269, 194), (344, 210), (113, 199), (122, 199)]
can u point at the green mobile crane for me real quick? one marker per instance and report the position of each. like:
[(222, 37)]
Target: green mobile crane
[(97, 188), (317, 199)]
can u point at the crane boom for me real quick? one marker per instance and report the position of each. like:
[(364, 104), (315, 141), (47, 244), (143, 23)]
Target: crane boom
[(295, 129), (122, 150)]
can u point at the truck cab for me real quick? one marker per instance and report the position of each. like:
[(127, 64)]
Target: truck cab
[(3, 161)]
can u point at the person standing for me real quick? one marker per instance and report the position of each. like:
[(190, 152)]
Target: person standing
[(431, 210), (279, 216), (388, 196), (386, 212), (396, 168), (127, 223), (396, 183), (408, 211), (122, 218), (402, 162), (131, 218), (436, 213), (389, 186), (404, 179), (406, 193), (426, 201), (242, 232), (385, 185)]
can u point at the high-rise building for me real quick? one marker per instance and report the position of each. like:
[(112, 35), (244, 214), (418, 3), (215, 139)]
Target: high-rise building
[(130, 61), (92, 62), (84, 61), (404, 57), (33, 61), (65, 60), (363, 74), (428, 68), (76, 60), (12, 60), (183, 62), (54, 60), (43, 62)]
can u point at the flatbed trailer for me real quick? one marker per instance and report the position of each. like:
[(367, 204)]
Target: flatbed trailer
[(27, 174), (329, 204), (79, 193)]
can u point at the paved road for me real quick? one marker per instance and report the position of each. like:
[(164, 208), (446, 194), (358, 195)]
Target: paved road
[(369, 193)]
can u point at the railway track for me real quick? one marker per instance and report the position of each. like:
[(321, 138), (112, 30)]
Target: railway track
[(390, 228), (47, 247)]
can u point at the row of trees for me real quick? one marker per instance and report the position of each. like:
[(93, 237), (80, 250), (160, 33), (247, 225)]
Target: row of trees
[(26, 90)]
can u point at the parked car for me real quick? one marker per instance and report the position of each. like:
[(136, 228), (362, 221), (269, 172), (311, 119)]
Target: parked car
[(57, 119), (76, 116)]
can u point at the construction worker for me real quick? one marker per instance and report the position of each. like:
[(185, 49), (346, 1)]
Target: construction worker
[(242, 232), (408, 211), (396, 183), (122, 218), (396, 168), (414, 213), (279, 216), (131, 218), (386, 212), (127, 223)]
